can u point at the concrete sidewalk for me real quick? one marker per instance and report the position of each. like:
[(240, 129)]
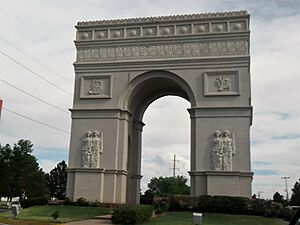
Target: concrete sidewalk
[(90, 222)]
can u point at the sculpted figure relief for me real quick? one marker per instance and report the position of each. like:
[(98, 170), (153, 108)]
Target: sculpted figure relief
[(217, 152), (223, 150), (95, 87), (86, 150), (92, 148), (228, 150), (223, 83)]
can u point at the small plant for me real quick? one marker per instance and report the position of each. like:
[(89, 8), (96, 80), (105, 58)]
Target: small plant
[(82, 202), (55, 215), (132, 214)]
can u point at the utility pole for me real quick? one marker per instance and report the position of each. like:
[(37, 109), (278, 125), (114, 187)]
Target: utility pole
[(174, 165), (259, 193), (286, 187)]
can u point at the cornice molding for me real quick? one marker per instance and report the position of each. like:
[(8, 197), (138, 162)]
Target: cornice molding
[(170, 18)]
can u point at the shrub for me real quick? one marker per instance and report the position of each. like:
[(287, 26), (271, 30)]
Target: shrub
[(55, 215), (68, 201), (132, 214), (222, 204), (286, 213), (29, 202), (147, 198), (257, 207), (82, 202), (161, 204), (182, 202), (272, 209)]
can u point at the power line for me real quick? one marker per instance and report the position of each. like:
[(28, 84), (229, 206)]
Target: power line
[(151, 147), (147, 139), (38, 75), (33, 59), (36, 121), (48, 103)]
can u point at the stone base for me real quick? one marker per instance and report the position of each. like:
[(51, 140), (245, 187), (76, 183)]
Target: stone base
[(102, 185), (223, 183)]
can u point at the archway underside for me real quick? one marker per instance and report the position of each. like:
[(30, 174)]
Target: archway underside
[(141, 97)]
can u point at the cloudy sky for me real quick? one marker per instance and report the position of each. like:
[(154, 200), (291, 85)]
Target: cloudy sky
[(36, 49)]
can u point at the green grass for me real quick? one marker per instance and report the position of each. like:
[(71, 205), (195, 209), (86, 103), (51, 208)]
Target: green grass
[(66, 213), (73, 213), (185, 218)]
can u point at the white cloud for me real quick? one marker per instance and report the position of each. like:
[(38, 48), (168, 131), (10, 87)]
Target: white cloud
[(47, 165)]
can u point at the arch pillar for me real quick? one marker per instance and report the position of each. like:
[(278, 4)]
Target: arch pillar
[(134, 163), (204, 179)]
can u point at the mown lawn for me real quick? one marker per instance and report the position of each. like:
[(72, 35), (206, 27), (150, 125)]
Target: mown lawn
[(185, 218), (66, 213), (41, 215)]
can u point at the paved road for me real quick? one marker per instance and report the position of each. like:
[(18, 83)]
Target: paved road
[(90, 222)]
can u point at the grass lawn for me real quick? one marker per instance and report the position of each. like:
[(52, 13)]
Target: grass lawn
[(185, 218), (43, 214)]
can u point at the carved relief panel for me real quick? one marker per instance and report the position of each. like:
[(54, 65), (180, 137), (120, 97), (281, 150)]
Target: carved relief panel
[(222, 150), (221, 83), (94, 86), (91, 149)]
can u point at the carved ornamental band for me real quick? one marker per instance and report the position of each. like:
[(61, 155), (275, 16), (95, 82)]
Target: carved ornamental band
[(224, 48)]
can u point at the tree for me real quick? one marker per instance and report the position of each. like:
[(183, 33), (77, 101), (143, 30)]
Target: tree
[(169, 185), (20, 172), (278, 198), (56, 181), (295, 199)]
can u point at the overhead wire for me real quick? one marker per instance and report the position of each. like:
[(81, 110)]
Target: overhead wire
[(153, 148), (25, 92), (33, 72), (32, 58), (36, 121)]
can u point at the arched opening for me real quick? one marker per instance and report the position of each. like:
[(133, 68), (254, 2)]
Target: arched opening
[(166, 133), (144, 90)]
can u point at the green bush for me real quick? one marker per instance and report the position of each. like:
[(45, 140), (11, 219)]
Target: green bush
[(29, 202), (222, 204), (147, 198), (286, 213), (55, 215), (132, 214), (182, 202), (272, 209), (257, 207), (161, 204), (82, 202)]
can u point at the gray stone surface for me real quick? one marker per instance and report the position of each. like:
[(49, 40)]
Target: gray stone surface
[(122, 66), (89, 222)]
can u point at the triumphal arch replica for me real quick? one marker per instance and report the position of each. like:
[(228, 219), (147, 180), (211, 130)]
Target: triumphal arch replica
[(124, 65)]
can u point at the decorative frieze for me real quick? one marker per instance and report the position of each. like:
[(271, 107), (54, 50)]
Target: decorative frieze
[(222, 48), (197, 24)]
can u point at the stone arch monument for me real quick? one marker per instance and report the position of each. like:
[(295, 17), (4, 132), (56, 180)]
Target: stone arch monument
[(124, 65)]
